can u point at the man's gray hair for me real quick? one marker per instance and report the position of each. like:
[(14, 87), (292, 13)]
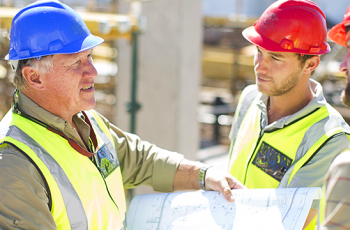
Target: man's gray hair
[(42, 66)]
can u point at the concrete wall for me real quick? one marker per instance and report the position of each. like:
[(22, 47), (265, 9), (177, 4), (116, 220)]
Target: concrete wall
[(169, 75)]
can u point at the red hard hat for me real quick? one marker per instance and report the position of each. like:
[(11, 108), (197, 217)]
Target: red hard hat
[(296, 26), (338, 33)]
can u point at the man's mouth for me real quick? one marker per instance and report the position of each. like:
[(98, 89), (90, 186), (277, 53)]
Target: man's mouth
[(262, 78), (87, 87)]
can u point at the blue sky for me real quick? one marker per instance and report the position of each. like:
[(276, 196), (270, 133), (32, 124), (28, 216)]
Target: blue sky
[(334, 9)]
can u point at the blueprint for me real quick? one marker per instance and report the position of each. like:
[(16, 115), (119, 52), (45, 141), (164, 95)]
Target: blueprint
[(252, 209)]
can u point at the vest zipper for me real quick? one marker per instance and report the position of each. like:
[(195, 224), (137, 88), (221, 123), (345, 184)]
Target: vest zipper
[(94, 161), (110, 196)]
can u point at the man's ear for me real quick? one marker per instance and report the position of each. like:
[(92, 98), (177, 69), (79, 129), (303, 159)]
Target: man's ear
[(311, 64), (33, 78)]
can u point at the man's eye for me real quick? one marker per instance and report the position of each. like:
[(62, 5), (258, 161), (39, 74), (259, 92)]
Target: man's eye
[(275, 58)]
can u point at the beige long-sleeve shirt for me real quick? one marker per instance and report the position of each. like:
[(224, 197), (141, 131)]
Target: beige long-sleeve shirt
[(23, 196), (337, 194)]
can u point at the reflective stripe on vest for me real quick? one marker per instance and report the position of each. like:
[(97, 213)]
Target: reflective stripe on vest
[(81, 197), (292, 146), (102, 130), (252, 129), (73, 205), (245, 101)]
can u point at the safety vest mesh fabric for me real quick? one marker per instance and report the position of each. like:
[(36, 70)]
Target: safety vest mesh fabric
[(82, 196), (292, 146)]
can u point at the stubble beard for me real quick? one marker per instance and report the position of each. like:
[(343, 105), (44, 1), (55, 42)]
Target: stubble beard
[(278, 90)]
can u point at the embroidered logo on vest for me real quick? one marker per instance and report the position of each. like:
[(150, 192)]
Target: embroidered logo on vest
[(272, 161), (106, 161)]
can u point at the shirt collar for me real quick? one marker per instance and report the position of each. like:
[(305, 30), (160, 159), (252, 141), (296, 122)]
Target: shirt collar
[(29, 107), (32, 109), (317, 101)]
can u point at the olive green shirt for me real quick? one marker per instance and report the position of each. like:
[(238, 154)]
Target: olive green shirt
[(23, 196)]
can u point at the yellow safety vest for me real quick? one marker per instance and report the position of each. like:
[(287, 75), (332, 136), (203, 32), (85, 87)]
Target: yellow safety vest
[(260, 159), (82, 195), (322, 208)]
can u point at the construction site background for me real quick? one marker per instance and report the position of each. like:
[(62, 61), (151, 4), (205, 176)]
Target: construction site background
[(226, 64)]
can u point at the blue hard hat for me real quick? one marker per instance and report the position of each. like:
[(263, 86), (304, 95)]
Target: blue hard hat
[(46, 28)]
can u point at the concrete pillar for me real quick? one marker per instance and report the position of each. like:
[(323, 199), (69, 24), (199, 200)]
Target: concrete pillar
[(169, 75)]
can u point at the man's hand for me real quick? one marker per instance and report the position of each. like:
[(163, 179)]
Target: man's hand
[(187, 177), (218, 180)]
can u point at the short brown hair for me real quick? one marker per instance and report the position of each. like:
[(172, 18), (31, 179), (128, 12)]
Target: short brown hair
[(304, 58)]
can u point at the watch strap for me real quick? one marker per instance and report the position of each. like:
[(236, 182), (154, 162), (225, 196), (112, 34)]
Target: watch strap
[(201, 176)]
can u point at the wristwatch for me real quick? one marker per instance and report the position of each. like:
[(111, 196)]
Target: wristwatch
[(201, 176)]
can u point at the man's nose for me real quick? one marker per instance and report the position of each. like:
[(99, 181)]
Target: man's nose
[(90, 70), (343, 65), (260, 65)]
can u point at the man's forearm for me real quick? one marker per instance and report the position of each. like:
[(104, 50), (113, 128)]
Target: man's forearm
[(186, 176)]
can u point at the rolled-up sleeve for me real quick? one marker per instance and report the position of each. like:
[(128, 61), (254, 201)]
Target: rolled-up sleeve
[(144, 163), (337, 195)]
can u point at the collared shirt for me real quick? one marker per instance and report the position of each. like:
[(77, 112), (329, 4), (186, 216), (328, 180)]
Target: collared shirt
[(23, 197), (312, 174), (337, 195), (317, 101)]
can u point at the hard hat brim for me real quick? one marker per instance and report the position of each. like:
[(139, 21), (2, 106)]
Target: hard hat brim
[(90, 42), (87, 43), (338, 34), (255, 38)]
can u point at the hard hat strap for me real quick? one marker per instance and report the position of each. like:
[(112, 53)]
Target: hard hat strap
[(14, 65)]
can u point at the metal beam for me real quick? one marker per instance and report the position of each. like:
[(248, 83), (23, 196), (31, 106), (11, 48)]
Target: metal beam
[(107, 26)]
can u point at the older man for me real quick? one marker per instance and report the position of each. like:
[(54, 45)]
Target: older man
[(62, 164), (335, 204)]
